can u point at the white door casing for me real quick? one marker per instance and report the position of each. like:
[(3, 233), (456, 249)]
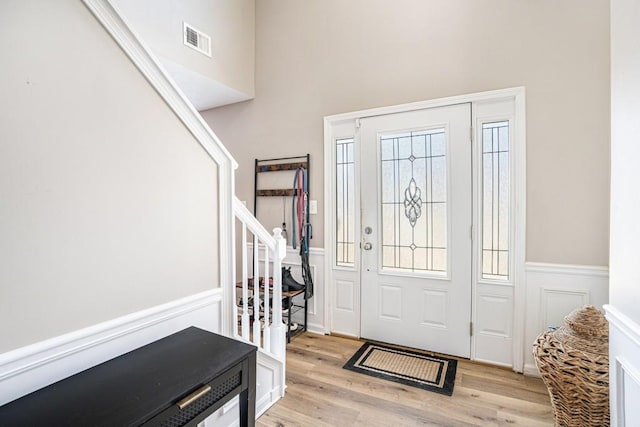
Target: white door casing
[(416, 228), (497, 304)]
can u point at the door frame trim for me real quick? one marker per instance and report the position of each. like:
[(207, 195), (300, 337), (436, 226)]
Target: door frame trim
[(519, 158)]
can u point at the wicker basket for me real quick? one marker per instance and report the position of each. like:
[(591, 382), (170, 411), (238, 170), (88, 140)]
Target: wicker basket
[(574, 364)]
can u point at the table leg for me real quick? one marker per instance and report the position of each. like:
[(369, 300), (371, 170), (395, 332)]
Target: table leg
[(248, 396)]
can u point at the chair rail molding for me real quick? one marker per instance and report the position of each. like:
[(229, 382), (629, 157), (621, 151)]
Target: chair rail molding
[(30, 368)]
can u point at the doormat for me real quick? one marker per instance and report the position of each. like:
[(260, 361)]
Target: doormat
[(407, 367)]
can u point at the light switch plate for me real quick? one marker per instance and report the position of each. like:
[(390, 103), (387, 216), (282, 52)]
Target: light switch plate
[(313, 207)]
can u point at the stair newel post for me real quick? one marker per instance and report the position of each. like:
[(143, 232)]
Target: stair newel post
[(245, 287), (267, 320), (256, 293), (278, 342)]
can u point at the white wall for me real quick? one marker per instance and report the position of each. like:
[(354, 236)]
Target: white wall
[(321, 57), (108, 205), (624, 309), (228, 75)]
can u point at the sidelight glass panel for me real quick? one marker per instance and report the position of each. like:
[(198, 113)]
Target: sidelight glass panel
[(413, 179), (345, 203), (496, 201)]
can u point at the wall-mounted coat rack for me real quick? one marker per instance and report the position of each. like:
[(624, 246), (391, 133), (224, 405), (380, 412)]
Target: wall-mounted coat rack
[(292, 164), (283, 164)]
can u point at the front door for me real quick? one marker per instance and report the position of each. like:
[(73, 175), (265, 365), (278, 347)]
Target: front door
[(416, 217)]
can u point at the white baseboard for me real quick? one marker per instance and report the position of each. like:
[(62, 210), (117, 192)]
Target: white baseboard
[(316, 328), (531, 370), (30, 368)]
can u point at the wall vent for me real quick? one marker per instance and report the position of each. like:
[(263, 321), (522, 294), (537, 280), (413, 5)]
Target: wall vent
[(197, 40)]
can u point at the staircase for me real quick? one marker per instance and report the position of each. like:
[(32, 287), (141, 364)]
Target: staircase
[(261, 323), (116, 109), (267, 331)]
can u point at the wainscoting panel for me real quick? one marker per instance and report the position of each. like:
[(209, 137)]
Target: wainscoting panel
[(556, 303), (30, 368), (624, 368), (553, 291), (268, 387)]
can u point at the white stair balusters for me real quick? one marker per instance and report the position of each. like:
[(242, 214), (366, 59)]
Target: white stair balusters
[(267, 316), (268, 332), (244, 323), (256, 294)]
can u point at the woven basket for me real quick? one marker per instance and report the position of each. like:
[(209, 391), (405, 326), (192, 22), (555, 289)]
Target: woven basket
[(574, 364)]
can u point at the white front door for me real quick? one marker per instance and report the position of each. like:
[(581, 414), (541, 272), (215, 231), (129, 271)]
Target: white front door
[(416, 204)]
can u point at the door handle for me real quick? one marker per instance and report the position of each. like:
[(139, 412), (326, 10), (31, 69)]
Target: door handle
[(367, 246)]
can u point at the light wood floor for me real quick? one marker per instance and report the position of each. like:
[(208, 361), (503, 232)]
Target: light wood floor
[(321, 393)]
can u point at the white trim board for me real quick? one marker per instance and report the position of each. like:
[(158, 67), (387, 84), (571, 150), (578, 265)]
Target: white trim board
[(553, 291), (419, 105), (30, 368)]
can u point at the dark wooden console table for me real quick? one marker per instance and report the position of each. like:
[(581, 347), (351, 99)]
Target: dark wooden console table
[(175, 381)]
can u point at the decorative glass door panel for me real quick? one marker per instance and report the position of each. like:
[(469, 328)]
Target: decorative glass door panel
[(416, 213), (413, 184), (496, 201), (345, 203)]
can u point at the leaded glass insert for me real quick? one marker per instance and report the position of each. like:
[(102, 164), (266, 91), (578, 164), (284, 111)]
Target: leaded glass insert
[(414, 201), (345, 203), (496, 201)]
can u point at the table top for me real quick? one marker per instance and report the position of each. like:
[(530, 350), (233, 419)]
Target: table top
[(131, 388)]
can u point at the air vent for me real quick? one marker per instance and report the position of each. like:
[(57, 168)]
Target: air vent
[(197, 40)]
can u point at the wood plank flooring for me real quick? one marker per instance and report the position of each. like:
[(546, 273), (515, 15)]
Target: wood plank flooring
[(321, 393)]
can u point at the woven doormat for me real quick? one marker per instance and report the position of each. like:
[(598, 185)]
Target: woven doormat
[(407, 367)]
